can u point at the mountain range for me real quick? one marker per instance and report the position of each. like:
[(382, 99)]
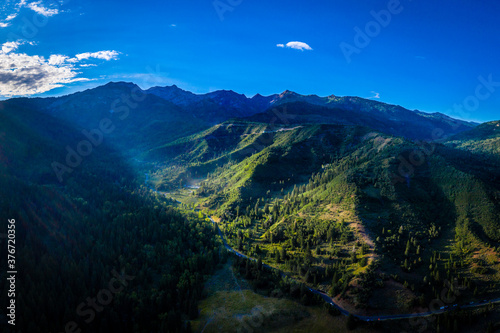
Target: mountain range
[(175, 112), (365, 200), (299, 108)]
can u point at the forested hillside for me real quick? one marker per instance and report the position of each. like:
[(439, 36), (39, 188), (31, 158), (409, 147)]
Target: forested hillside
[(344, 209), (99, 230), (484, 139)]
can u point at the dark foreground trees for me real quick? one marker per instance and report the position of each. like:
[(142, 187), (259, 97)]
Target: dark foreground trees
[(104, 254)]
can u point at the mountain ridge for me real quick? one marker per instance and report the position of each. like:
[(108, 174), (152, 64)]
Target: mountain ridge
[(222, 105)]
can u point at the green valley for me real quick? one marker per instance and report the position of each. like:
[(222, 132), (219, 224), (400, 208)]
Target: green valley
[(303, 206)]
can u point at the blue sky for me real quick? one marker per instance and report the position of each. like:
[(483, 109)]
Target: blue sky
[(421, 54)]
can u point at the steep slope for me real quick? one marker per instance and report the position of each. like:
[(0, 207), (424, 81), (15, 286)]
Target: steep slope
[(280, 158), (484, 131), (139, 120), (204, 152), (30, 141), (99, 225), (376, 109), (319, 199), (389, 119), (485, 138)]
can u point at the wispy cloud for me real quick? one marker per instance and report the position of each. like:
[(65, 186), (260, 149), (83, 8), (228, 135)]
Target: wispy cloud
[(104, 55), (39, 8), (11, 17), (296, 45), (376, 95), (12, 46), (7, 21), (22, 74)]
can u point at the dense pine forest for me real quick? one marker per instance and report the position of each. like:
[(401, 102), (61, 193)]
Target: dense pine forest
[(72, 242), (101, 230)]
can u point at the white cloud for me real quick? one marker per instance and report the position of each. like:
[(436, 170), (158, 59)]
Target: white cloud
[(173, 25), (296, 45), (36, 6), (376, 95), (11, 17), (6, 23), (39, 8), (57, 59), (105, 55), (12, 46), (22, 74)]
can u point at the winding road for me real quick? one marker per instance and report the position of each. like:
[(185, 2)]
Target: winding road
[(330, 301)]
